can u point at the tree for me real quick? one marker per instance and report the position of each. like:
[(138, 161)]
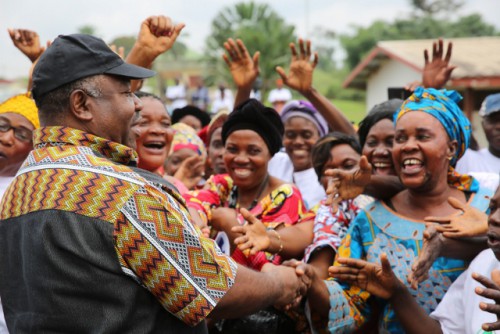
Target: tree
[(87, 29), (431, 7), (323, 42), (261, 28), (357, 45), (127, 42)]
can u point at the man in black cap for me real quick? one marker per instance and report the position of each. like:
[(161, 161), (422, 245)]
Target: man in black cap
[(89, 243)]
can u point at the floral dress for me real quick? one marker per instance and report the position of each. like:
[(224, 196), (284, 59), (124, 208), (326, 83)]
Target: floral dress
[(284, 205)]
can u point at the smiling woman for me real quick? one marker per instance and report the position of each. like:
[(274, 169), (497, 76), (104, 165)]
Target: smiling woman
[(18, 118), (431, 133), (151, 131), (251, 136)]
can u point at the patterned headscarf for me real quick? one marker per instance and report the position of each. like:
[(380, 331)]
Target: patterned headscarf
[(23, 105), (304, 109), (186, 137), (442, 104)]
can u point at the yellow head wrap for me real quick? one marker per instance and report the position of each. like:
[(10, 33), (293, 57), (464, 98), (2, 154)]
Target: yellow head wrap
[(23, 105)]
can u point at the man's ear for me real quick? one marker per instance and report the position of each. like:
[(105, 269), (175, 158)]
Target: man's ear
[(452, 148), (81, 105)]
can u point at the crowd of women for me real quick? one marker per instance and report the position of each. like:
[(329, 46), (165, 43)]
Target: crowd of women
[(380, 213)]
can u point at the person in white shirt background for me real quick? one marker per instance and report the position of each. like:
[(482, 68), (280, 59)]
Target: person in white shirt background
[(486, 159), (279, 96)]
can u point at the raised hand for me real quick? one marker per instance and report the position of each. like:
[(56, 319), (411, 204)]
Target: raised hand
[(301, 70), (471, 223), (191, 171), (345, 185), (28, 42), (255, 237), (431, 250), (492, 291), (438, 71), (158, 34), (120, 51), (379, 280), (244, 68)]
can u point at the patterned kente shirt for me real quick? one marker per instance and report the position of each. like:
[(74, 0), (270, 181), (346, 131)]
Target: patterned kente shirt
[(90, 243)]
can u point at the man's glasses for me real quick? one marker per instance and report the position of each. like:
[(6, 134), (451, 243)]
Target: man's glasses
[(21, 133)]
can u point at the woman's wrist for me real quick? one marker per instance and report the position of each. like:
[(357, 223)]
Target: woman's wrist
[(276, 244)]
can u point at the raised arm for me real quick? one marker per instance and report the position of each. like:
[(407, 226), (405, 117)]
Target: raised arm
[(244, 69), (300, 78), (156, 36), (28, 42), (437, 71)]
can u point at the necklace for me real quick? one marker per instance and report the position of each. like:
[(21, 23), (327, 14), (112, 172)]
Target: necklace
[(233, 197)]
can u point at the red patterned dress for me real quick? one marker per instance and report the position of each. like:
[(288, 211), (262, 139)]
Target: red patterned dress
[(284, 205)]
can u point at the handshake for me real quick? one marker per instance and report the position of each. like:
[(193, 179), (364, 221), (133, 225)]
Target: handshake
[(295, 279)]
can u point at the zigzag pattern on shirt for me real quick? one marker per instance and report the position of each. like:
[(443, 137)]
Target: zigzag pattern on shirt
[(90, 194), (79, 156), (177, 282), (117, 152), (197, 274)]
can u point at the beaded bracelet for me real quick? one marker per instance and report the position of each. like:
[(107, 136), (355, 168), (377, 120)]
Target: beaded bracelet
[(279, 239)]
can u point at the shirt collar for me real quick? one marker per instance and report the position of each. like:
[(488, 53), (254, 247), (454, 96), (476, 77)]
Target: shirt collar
[(59, 135)]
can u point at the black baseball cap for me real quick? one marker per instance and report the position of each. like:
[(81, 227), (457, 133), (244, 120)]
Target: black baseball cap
[(73, 57)]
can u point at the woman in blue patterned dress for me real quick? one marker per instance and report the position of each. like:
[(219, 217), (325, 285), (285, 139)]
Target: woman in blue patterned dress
[(431, 135)]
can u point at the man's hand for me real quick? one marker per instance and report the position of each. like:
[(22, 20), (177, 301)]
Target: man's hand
[(254, 232), (379, 280), (471, 223), (438, 71), (294, 283), (158, 34), (28, 42), (492, 291), (345, 185), (301, 68), (307, 275), (244, 69), (431, 250)]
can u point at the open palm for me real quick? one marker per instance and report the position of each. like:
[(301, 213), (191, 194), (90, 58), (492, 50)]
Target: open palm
[(437, 71), (301, 70), (244, 69), (379, 280)]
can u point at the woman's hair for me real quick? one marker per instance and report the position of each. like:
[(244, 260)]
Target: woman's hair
[(369, 121), (141, 95), (320, 154), (194, 111), (384, 110)]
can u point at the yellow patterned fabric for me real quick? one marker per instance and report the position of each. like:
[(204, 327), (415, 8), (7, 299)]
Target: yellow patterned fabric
[(154, 240), (23, 105)]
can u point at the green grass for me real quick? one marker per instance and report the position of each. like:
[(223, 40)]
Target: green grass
[(355, 111), (349, 101)]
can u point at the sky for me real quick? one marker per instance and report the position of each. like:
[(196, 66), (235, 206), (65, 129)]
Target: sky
[(113, 18)]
